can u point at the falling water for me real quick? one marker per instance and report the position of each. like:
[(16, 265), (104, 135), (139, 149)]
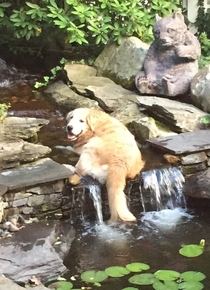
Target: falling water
[(162, 189), (94, 188)]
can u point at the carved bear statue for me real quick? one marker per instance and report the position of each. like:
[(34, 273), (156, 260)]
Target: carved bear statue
[(171, 61)]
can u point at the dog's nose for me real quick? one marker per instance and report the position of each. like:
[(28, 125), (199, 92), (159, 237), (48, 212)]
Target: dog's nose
[(69, 128)]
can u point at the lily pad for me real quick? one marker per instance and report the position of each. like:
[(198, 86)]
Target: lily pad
[(116, 271), (137, 267), (167, 275), (192, 276), (191, 251), (61, 285), (143, 279), (130, 288), (166, 285), (191, 286), (93, 276)]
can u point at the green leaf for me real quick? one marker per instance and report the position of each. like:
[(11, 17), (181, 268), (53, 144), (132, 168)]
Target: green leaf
[(143, 279), (130, 288), (93, 276), (191, 251), (61, 285), (192, 276), (191, 286), (137, 267), (167, 275), (165, 285), (116, 271)]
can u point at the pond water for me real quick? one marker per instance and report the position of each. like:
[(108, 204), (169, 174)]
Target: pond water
[(155, 239)]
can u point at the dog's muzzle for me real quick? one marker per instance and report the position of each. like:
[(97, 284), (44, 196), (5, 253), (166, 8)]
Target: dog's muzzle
[(70, 135)]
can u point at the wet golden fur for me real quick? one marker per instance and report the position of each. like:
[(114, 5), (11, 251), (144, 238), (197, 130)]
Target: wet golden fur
[(108, 152)]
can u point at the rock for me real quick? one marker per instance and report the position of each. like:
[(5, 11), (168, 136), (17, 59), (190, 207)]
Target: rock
[(184, 143), (39, 172), (21, 128), (193, 158), (76, 70), (179, 117), (32, 251), (122, 62), (200, 89), (111, 96), (61, 95), (147, 128), (198, 184), (15, 152)]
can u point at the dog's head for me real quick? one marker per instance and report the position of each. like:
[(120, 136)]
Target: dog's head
[(77, 123)]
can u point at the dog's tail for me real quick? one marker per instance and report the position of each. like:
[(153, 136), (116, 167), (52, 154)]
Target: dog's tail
[(117, 200)]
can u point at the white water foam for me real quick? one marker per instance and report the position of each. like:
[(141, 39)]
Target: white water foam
[(166, 219)]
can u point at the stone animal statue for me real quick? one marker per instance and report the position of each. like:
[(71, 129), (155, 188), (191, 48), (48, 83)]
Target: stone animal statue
[(171, 61)]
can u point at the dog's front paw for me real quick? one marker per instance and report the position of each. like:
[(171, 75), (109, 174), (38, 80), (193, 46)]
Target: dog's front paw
[(74, 179)]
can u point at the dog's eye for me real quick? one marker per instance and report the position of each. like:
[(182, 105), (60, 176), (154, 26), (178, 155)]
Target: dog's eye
[(81, 121)]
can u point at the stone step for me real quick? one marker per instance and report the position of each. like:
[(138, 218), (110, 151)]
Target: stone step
[(183, 143), (38, 172)]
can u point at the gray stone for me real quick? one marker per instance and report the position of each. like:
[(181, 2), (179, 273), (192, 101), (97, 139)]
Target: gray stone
[(21, 128), (31, 251), (200, 89), (38, 172), (194, 168), (61, 95), (111, 96), (184, 142), (45, 202), (179, 117), (193, 158), (15, 152), (47, 188), (122, 62), (198, 184), (7, 284), (76, 70)]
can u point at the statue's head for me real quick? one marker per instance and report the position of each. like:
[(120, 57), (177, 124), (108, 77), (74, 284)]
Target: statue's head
[(170, 31)]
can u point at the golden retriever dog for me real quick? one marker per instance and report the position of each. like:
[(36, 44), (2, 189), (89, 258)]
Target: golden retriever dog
[(108, 153)]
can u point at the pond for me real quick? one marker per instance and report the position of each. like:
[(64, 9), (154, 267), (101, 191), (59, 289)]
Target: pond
[(153, 239)]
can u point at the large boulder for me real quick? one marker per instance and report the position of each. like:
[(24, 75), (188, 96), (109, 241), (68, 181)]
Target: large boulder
[(122, 62)]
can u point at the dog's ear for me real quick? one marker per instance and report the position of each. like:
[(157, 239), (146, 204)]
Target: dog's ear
[(95, 118)]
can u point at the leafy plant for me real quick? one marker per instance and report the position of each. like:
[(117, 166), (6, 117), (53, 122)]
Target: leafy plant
[(3, 111), (85, 21), (94, 277), (54, 71)]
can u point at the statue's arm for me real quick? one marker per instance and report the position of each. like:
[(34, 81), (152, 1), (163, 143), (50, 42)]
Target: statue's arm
[(190, 49)]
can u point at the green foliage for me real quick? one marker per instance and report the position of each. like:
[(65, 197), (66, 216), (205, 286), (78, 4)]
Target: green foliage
[(54, 71), (85, 21), (204, 59), (3, 111)]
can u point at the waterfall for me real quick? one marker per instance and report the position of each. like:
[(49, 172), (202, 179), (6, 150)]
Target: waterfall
[(94, 188), (162, 189)]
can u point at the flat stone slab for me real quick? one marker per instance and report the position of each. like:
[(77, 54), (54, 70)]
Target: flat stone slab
[(183, 143), (41, 171)]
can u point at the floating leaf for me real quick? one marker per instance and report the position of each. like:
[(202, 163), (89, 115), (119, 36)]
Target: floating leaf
[(191, 251), (143, 279), (137, 267), (166, 285), (191, 286), (116, 271), (130, 288), (62, 285), (167, 275), (192, 276), (93, 276)]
